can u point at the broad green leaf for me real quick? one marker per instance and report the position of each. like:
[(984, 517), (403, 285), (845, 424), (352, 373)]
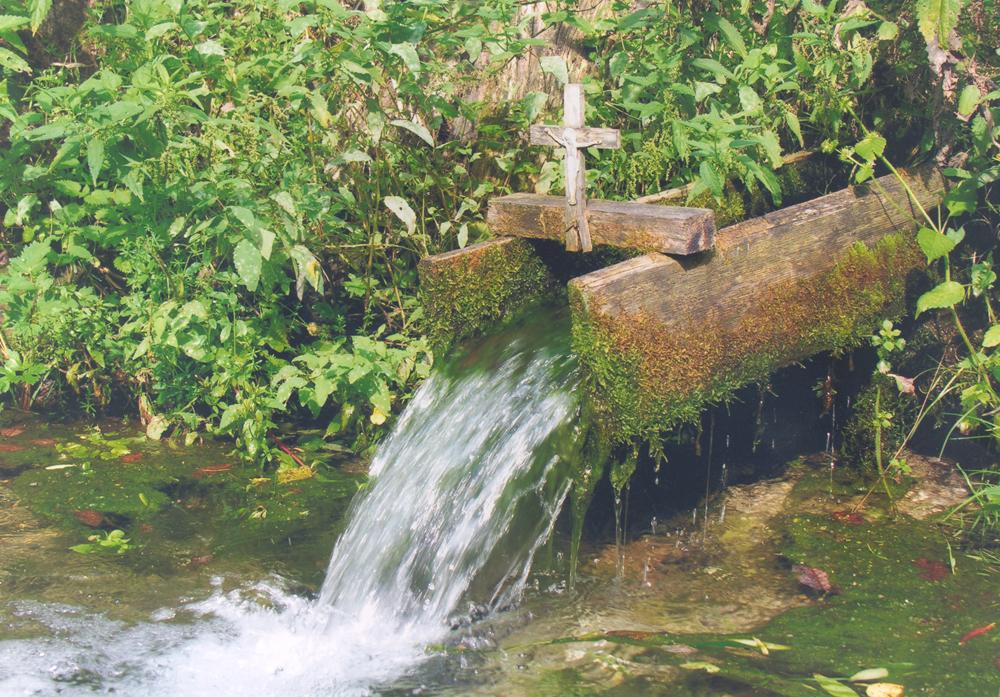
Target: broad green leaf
[(160, 29), (210, 47), (792, 120), (401, 209), (710, 178), (833, 687), (887, 31), (749, 100), (992, 336), (13, 62), (285, 202), (934, 244), (555, 66), (12, 22), (937, 19), (156, 427), (408, 53), (870, 147), (947, 294), (416, 129), (39, 11), (248, 263), (772, 147), (474, 47), (968, 100), (869, 675), (95, 158), (733, 37)]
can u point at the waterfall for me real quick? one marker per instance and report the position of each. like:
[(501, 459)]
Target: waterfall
[(461, 495)]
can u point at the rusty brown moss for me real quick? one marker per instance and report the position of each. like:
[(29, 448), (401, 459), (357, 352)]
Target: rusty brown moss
[(646, 379), (467, 293)]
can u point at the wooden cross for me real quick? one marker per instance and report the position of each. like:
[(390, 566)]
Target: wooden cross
[(574, 136)]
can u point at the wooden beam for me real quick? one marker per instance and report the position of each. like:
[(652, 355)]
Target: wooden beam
[(786, 245), (600, 138), (666, 229), (664, 337)]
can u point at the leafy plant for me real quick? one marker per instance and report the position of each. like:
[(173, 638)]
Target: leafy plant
[(111, 542)]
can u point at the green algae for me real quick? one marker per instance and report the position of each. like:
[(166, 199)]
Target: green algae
[(470, 292), (646, 380)]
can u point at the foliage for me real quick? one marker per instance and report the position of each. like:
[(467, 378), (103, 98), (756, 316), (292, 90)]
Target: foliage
[(111, 542), (221, 223)]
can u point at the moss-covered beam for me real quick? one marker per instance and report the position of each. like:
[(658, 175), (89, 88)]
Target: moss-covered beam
[(659, 340), (468, 290)]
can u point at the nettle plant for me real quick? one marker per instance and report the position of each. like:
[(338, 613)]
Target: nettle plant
[(220, 221), (725, 97)]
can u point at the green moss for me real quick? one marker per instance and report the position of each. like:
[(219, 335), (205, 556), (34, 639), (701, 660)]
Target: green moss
[(645, 379), (465, 293)]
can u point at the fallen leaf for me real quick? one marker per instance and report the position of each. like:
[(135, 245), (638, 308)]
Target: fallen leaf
[(44, 442), (132, 457), (11, 431), (294, 474), (904, 384), (212, 469), (701, 665), (202, 560), (849, 517), (884, 689), (10, 448), (978, 631), (814, 579), (869, 675), (932, 569), (90, 518)]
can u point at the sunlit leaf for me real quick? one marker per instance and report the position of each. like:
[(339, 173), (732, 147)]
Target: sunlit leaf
[(934, 244), (947, 294), (248, 262), (416, 129), (555, 66), (401, 209)]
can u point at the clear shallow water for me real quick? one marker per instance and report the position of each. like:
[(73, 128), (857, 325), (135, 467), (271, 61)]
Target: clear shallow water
[(462, 494)]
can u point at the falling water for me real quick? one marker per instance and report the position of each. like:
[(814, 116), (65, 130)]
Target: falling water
[(462, 494)]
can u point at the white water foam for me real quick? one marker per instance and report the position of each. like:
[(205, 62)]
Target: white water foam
[(463, 493)]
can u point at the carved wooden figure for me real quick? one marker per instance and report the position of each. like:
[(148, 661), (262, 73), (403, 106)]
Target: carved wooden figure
[(574, 137)]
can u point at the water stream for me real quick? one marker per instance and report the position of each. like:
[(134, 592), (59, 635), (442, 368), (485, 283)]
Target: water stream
[(462, 494)]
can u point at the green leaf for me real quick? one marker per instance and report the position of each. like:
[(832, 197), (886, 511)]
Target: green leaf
[(887, 31), (285, 202), (158, 30), (210, 47), (12, 22), (248, 263), (937, 19), (39, 11), (409, 55), (95, 158), (869, 675), (832, 687), (992, 336), (968, 100), (710, 178), (555, 66), (733, 37), (401, 209), (13, 62), (947, 294), (772, 147), (870, 147), (749, 100), (474, 47), (701, 665), (794, 126), (934, 244), (416, 129)]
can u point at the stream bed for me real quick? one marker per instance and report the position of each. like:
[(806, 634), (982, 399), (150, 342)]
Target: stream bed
[(214, 561)]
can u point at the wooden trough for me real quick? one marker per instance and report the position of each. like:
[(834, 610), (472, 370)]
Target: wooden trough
[(661, 337)]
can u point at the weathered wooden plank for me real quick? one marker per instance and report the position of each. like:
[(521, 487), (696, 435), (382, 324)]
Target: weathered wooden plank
[(666, 229), (664, 336), (786, 245), (586, 137)]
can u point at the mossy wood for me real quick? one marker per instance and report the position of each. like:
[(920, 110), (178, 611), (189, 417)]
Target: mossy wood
[(651, 228), (467, 290), (660, 337)]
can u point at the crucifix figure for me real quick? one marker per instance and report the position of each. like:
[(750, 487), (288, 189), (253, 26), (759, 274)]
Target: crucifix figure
[(574, 137)]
